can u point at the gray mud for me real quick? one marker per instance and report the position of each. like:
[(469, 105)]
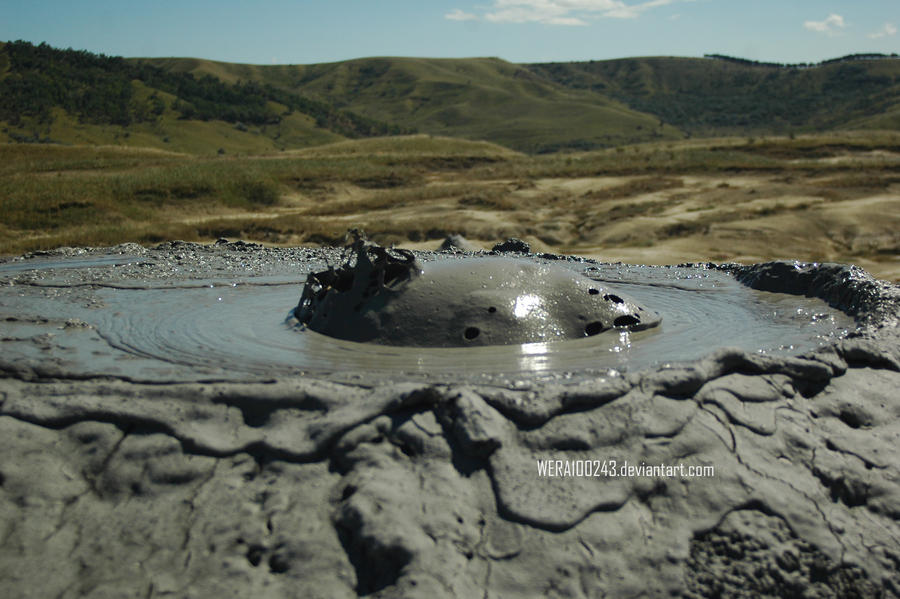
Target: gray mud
[(389, 297), (168, 431)]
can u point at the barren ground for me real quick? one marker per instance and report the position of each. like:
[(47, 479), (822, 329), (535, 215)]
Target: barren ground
[(648, 220), (826, 198)]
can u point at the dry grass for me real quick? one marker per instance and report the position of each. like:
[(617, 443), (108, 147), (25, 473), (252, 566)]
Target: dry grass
[(723, 199)]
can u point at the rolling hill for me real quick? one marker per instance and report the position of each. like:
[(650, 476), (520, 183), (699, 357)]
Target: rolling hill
[(202, 107), (587, 105), (725, 96), (72, 96), (476, 98)]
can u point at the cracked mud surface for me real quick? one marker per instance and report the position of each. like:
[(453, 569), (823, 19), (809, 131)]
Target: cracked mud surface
[(127, 475)]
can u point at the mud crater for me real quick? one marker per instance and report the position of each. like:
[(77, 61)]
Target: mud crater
[(230, 312), (166, 398), (391, 298)]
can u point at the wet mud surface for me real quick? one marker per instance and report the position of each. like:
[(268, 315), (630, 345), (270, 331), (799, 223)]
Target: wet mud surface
[(390, 297), (169, 429)]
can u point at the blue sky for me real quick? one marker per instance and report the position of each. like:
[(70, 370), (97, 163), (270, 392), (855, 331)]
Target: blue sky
[(312, 31)]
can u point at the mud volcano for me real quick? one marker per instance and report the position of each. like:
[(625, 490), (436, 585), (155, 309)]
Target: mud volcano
[(169, 429), (393, 299)]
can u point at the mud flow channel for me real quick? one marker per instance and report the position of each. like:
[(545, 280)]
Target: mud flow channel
[(191, 312)]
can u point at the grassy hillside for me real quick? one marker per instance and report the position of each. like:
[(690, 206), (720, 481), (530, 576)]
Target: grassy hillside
[(68, 96), (52, 195), (201, 106), (477, 98), (712, 96), (822, 198), (587, 105)]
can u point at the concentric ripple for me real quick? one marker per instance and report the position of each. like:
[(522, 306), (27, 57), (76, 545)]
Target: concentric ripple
[(239, 329)]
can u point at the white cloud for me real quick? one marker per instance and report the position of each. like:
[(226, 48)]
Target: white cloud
[(831, 25), (560, 12), (459, 15), (887, 30), (632, 11)]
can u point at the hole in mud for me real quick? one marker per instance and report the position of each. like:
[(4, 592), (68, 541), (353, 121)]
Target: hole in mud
[(377, 565), (471, 333), (613, 298), (348, 492), (593, 291), (255, 416), (593, 328), (848, 492), (627, 320), (254, 554), (852, 418), (492, 309), (278, 564)]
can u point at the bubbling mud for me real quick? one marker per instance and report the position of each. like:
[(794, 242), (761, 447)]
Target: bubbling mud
[(393, 299), (225, 313)]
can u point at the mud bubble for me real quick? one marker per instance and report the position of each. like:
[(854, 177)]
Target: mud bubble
[(389, 297)]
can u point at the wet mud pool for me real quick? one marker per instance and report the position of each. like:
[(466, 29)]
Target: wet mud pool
[(168, 404), (146, 318)]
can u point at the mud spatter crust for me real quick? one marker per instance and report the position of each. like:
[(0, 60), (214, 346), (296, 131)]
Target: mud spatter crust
[(390, 298)]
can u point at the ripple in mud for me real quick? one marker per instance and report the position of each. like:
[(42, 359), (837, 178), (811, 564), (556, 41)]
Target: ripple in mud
[(210, 314), (234, 330)]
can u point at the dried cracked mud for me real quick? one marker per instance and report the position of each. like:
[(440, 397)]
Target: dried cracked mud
[(167, 431)]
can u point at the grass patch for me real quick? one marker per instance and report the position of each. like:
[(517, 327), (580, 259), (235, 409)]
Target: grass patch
[(861, 180), (489, 199), (410, 195), (635, 187), (59, 195), (632, 209)]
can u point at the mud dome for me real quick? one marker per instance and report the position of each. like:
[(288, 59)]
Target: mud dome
[(167, 431), (397, 300)]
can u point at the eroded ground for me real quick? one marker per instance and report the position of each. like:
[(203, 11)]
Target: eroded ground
[(833, 197), (309, 486), (645, 219)]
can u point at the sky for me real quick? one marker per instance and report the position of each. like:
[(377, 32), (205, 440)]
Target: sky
[(316, 31)]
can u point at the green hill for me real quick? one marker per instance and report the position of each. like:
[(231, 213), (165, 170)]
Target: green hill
[(201, 106), (476, 98), (727, 96), (72, 96), (585, 105)]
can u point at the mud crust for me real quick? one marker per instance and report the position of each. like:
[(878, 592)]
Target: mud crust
[(313, 487)]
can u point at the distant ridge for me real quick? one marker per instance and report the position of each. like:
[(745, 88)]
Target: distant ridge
[(475, 98), (731, 96), (204, 106), (802, 65), (41, 86)]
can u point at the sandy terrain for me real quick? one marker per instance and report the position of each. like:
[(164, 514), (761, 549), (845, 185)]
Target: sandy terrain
[(645, 220)]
